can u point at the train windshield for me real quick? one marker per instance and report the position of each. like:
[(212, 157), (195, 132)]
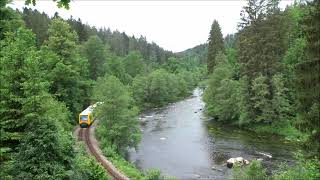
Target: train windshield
[(84, 117)]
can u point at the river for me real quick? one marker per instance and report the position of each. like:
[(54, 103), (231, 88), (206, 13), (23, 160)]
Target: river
[(180, 141)]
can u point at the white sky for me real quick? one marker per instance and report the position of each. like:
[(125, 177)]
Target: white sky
[(173, 25)]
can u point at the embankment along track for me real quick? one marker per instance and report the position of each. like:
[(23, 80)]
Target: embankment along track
[(87, 135)]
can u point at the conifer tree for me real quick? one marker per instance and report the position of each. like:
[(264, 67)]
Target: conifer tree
[(33, 124), (95, 51), (14, 50), (38, 22), (215, 45), (308, 76), (220, 96), (259, 54), (260, 98), (10, 21), (69, 74), (280, 101)]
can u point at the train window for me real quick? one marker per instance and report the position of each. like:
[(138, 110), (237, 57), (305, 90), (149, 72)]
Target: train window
[(84, 117)]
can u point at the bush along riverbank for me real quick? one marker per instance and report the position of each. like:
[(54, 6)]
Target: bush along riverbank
[(307, 169)]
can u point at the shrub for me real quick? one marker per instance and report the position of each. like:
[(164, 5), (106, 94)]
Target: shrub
[(254, 171), (306, 169)]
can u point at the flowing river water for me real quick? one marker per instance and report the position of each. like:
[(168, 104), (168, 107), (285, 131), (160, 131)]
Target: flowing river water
[(180, 141)]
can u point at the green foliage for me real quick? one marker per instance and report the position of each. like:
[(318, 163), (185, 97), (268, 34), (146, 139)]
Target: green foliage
[(293, 56), (83, 30), (124, 166), (198, 52), (40, 28), (69, 72), (95, 51), (215, 46), (284, 128), (254, 171), (134, 63), (161, 87), (261, 100), (260, 24), (280, 101), (158, 88), (173, 65), (308, 77), (86, 167), (229, 41), (115, 67), (295, 53), (304, 169), (33, 124), (43, 83), (44, 141), (118, 122), (140, 89), (185, 82), (110, 151), (245, 110), (270, 84), (10, 21), (60, 3), (220, 95), (17, 51), (155, 174), (268, 81), (175, 79), (308, 169), (45, 137)]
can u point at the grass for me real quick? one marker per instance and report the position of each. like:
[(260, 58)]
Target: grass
[(282, 128)]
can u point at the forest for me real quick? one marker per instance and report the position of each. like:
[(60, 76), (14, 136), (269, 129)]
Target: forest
[(51, 69), (264, 78)]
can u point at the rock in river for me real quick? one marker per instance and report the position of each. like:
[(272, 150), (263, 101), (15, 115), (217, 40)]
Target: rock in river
[(239, 161)]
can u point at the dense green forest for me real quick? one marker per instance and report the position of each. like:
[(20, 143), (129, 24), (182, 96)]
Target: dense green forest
[(266, 78), (51, 69)]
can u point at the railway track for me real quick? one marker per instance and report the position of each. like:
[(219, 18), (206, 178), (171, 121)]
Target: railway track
[(84, 135)]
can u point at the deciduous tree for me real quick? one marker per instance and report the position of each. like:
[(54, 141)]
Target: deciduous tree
[(118, 122)]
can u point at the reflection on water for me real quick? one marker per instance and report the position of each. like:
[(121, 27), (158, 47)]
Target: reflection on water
[(181, 142)]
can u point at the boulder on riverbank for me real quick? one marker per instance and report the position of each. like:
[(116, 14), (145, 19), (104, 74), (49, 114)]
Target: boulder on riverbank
[(239, 161)]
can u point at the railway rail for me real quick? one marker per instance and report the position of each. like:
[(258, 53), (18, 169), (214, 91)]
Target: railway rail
[(85, 135)]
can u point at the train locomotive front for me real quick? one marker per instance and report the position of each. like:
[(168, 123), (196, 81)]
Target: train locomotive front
[(86, 117)]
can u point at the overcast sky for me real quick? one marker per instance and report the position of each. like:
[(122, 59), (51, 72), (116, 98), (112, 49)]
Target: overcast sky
[(173, 25)]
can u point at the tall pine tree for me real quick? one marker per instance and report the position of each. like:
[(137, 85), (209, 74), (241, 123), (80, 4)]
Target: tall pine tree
[(14, 49), (216, 45), (259, 53), (308, 76)]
